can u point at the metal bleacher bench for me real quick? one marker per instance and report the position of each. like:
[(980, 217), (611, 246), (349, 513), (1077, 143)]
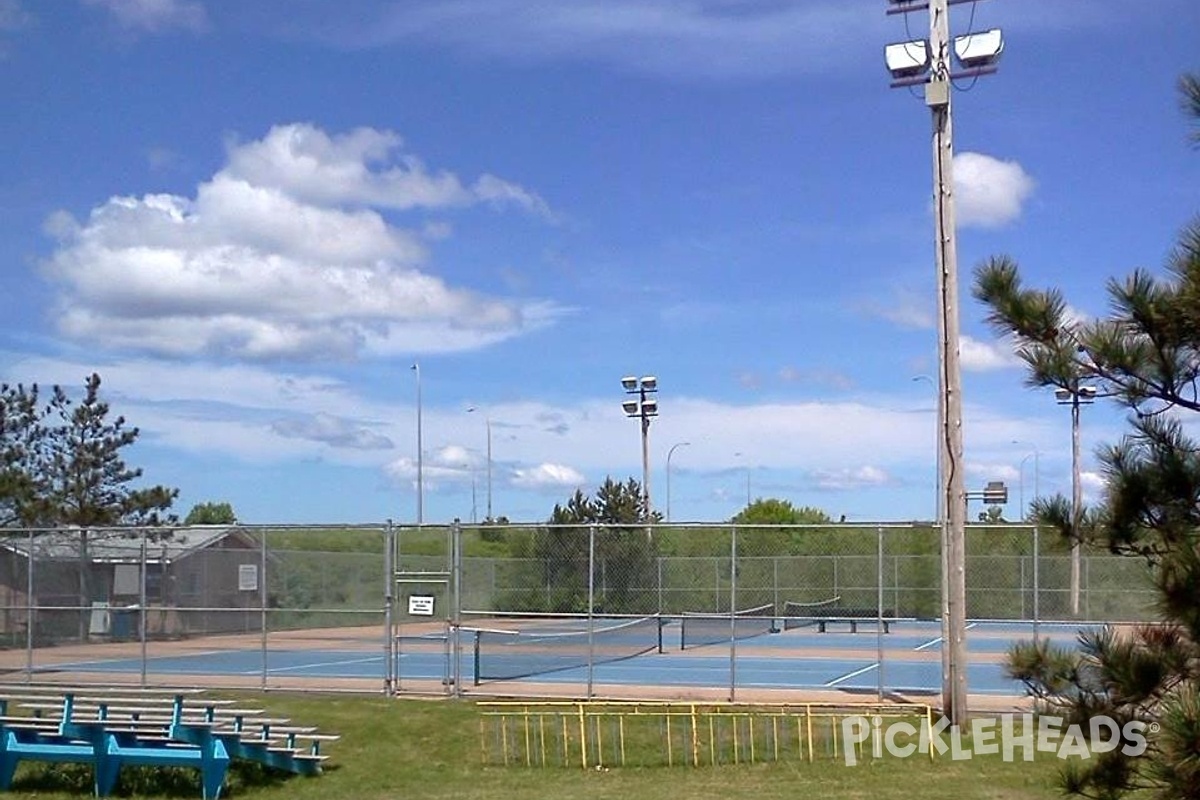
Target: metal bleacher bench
[(852, 617), (109, 732)]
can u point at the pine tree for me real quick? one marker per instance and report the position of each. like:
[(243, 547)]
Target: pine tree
[(1146, 356)]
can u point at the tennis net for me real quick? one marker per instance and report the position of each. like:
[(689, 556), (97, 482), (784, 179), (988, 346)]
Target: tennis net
[(511, 654), (801, 615), (697, 630)]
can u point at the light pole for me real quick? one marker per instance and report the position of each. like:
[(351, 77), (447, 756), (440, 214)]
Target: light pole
[(741, 455), (488, 424), (1036, 455), (670, 453), (420, 457), (928, 62), (1075, 396), (644, 408)]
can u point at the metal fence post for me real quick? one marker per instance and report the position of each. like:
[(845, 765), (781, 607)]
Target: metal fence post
[(30, 603), (591, 605), (262, 604), (142, 608), (733, 614), (1037, 588), (456, 610), (389, 601), (879, 608)]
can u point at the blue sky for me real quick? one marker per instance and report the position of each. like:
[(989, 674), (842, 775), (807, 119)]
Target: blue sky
[(252, 218)]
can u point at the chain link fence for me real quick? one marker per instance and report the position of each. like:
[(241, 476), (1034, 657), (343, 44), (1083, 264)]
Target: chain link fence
[(452, 609)]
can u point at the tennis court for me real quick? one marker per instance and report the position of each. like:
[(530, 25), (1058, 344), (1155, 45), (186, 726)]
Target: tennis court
[(616, 656)]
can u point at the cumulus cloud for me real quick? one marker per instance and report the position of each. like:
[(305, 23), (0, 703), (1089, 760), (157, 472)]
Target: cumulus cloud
[(977, 356), (284, 253), (989, 193), (153, 16), (333, 431), (851, 478), (987, 356), (548, 476)]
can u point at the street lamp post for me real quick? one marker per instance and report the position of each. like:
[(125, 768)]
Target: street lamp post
[(928, 62), (420, 457), (1036, 455), (740, 455), (644, 407), (670, 453), (1075, 396), (488, 425)]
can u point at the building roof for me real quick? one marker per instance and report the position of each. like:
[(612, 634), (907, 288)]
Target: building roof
[(114, 546)]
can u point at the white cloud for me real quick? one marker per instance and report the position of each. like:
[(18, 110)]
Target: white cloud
[(905, 308), (281, 254), (333, 431), (851, 478), (977, 356), (1093, 486), (548, 476), (313, 167), (989, 193), (699, 38), (155, 15)]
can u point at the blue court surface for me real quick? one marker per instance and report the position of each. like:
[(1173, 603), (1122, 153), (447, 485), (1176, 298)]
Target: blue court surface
[(796, 659)]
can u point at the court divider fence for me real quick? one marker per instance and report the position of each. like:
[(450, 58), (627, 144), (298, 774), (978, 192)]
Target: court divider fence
[(476, 609)]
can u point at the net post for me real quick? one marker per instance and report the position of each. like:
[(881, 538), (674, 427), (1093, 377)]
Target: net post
[(475, 658)]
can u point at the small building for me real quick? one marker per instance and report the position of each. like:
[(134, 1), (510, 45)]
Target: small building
[(200, 579)]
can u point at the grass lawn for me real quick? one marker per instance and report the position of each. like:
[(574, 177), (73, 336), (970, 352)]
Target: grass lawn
[(417, 749)]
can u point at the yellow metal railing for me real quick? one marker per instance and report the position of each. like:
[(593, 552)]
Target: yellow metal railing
[(606, 734)]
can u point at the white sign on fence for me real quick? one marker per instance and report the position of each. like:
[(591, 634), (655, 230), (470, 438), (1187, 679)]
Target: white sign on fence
[(420, 605), (247, 577)]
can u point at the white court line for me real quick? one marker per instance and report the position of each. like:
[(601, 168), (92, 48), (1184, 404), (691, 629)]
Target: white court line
[(854, 674), (136, 659), (938, 640), (316, 665)]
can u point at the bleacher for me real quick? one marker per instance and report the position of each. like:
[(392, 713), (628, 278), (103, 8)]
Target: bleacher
[(180, 729)]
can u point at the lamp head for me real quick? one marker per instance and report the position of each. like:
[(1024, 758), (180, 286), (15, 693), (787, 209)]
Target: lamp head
[(907, 59), (650, 408), (629, 383), (631, 408), (650, 383), (975, 50)]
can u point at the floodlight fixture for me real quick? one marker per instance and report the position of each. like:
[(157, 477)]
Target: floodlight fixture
[(907, 59), (632, 408), (629, 383), (650, 408), (650, 383), (976, 50), (1080, 394)]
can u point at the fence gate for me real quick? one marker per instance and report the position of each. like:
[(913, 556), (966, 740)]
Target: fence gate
[(426, 652)]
